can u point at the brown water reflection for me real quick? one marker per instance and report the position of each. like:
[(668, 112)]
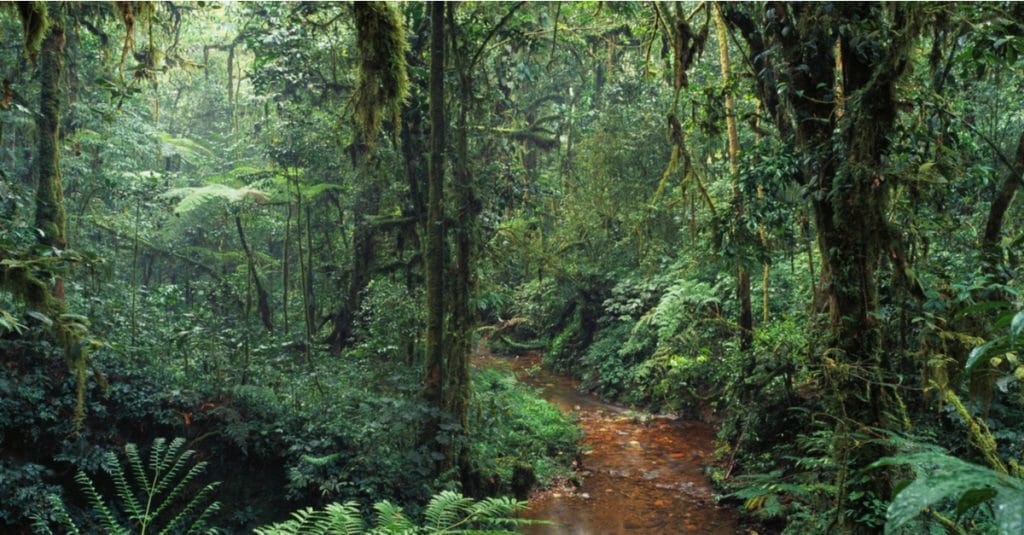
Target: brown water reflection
[(639, 477)]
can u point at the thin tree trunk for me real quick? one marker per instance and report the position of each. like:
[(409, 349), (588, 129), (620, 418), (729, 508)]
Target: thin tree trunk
[(310, 296), (246, 345), (286, 261), (263, 299), (307, 349), (990, 249), (458, 391), (135, 284), (746, 319), (433, 381), (764, 284)]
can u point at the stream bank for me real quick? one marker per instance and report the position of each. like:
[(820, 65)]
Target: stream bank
[(641, 474)]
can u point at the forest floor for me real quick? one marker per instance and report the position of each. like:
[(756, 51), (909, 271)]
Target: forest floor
[(640, 473)]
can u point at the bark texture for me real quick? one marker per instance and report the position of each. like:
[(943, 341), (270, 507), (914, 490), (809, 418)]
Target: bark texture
[(433, 381), (50, 217)]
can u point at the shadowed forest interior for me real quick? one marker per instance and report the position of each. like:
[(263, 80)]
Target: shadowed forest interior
[(500, 267)]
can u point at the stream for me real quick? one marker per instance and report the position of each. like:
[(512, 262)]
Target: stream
[(641, 474)]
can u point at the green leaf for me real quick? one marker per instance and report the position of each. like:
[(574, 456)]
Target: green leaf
[(184, 147), (39, 316), (941, 477), (1016, 327), (974, 498), (984, 306), (1009, 512), (984, 353)]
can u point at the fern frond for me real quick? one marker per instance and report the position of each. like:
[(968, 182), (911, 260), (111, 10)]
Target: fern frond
[(391, 519), (447, 513), (131, 452), (446, 509), (174, 451), (124, 493), (156, 457), (197, 197), (343, 519), (184, 147), (199, 526), (313, 190), (96, 502), (172, 473), (192, 473), (40, 526), (500, 510), (187, 511)]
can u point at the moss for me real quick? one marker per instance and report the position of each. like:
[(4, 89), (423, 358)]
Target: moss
[(35, 21), (383, 83), (50, 216), (566, 343)]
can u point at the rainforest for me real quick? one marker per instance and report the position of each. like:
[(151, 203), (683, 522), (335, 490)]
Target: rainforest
[(511, 267)]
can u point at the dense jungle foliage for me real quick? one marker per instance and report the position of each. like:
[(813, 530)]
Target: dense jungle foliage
[(264, 241)]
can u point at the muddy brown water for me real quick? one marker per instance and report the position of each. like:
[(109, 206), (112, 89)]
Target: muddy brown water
[(640, 475)]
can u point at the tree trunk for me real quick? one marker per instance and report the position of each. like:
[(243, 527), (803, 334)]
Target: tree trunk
[(311, 310), (992, 254), (433, 380), (849, 203), (363, 257), (746, 319), (459, 348), (285, 263), (262, 298), (50, 218)]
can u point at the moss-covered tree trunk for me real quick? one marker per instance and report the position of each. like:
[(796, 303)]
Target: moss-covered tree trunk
[(50, 219), (434, 251), (459, 347), (746, 318), (849, 190), (364, 256)]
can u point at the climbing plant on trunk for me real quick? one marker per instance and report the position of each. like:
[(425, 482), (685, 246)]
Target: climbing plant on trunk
[(843, 170)]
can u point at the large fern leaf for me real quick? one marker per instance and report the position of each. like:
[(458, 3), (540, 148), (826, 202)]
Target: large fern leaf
[(188, 149), (446, 513), (194, 198), (106, 517), (446, 509)]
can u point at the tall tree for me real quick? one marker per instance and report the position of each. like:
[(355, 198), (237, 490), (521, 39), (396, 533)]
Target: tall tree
[(434, 252), (843, 168), (742, 274), (458, 391), (50, 217)]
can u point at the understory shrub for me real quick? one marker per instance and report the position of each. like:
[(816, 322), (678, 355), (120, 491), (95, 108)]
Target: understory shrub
[(516, 432)]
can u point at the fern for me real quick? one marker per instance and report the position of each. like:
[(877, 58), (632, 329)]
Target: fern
[(447, 513), (184, 147), (391, 519), (41, 526), (445, 509), (107, 519), (147, 498), (192, 199)]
